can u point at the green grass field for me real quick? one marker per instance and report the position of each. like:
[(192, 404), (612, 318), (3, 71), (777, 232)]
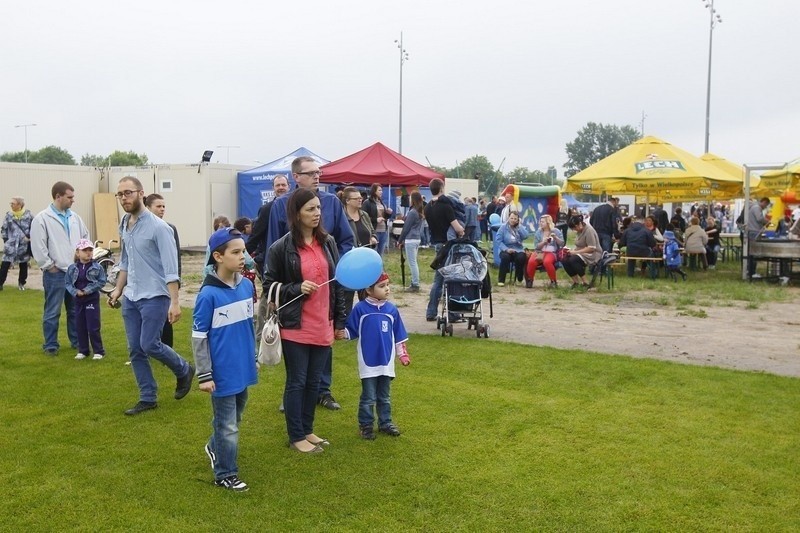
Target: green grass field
[(496, 437)]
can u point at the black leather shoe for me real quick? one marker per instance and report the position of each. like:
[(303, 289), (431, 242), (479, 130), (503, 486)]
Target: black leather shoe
[(141, 407), (328, 402), (184, 384)]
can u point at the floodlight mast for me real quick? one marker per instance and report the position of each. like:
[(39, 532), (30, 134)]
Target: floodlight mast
[(714, 19)]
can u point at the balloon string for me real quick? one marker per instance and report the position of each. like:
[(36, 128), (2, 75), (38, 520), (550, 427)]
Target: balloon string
[(301, 295)]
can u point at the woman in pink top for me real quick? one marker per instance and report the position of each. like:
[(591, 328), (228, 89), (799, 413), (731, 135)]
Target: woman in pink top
[(304, 260)]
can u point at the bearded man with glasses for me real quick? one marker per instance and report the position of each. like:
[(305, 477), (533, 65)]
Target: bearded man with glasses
[(148, 278), (306, 173)]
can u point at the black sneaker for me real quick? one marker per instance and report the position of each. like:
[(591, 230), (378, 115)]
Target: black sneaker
[(211, 455), (141, 407), (390, 429), (232, 483), (184, 384), (328, 402), (367, 432)]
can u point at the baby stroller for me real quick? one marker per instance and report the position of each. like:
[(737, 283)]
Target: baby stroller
[(465, 283)]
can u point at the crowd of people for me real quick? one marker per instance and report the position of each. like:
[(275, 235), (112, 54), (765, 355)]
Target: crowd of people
[(294, 245)]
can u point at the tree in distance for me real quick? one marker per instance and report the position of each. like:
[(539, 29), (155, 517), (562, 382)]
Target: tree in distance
[(524, 175), (118, 158), (594, 142), (49, 155)]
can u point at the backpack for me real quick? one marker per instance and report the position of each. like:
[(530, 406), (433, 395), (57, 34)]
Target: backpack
[(672, 254)]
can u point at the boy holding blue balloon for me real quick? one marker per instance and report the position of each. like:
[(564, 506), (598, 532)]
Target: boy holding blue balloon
[(382, 337)]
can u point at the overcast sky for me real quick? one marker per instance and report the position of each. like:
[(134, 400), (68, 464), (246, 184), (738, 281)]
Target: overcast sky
[(504, 79)]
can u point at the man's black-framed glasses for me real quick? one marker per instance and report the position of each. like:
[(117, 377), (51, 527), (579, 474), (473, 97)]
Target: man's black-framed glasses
[(126, 194), (311, 173)]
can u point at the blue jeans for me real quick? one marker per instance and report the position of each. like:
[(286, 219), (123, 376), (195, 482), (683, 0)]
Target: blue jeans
[(383, 237), (144, 320), (412, 247), (55, 293), (606, 242), (224, 441), (436, 290), (304, 364), (375, 392), (326, 378)]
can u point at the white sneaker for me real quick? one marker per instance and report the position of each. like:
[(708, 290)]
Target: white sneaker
[(80, 356), (98, 356)]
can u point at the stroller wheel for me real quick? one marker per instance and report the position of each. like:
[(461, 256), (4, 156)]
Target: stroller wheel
[(449, 329), (439, 322), (444, 331), (479, 332), (486, 332)]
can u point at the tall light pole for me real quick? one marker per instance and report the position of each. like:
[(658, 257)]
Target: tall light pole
[(228, 147), (714, 19), (26, 126), (403, 59)]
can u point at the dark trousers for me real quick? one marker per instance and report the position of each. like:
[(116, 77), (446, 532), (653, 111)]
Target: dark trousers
[(574, 266), (520, 261), (23, 272), (304, 364), (166, 334), (87, 323)]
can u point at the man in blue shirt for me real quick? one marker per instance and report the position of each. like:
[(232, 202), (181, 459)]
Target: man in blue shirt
[(148, 278), (306, 173)]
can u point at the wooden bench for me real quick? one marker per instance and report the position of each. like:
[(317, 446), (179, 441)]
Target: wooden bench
[(654, 263)]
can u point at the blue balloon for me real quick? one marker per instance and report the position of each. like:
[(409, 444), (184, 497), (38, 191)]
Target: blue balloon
[(359, 268), (494, 219)]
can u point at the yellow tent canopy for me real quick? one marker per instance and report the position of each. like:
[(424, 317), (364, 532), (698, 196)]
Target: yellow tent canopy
[(786, 179), (657, 170)]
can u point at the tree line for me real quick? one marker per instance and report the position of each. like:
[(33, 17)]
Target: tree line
[(592, 143), (55, 155)]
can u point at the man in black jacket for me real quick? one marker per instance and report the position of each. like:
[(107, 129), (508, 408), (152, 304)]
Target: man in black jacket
[(258, 236), (639, 242), (605, 221)]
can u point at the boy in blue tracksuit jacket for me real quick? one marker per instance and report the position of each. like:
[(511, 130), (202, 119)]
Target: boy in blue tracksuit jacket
[(223, 345)]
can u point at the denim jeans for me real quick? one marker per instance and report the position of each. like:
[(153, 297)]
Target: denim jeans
[(383, 238), (606, 242), (436, 290), (144, 320), (375, 392), (55, 293), (224, 441), (412, 247), (326, 378), (304, 364)]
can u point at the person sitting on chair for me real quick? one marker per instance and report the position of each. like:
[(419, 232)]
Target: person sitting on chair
[(695, 240), (587, 252), (639, 242), (509, 238), (547, 241)]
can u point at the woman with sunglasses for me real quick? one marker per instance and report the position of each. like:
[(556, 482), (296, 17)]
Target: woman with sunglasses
[(313, 312)]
